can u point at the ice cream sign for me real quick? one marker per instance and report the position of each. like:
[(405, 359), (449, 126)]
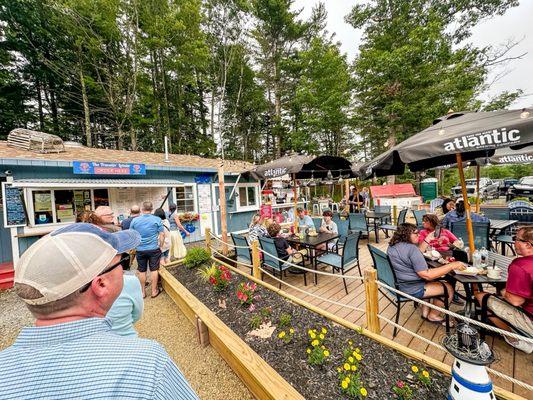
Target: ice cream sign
[(104, 168)]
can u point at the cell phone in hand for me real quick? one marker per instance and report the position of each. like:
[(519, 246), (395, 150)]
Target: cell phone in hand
[(437, 231)]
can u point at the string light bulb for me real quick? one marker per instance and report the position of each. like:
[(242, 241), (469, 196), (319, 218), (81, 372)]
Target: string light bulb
[(524, 114)]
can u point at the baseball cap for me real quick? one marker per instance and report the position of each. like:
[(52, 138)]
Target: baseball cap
[(352, 187), (65, 260)]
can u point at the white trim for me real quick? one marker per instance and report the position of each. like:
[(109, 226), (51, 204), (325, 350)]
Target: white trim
[(194, 196), (252, 207), (15, 251), (98, 184)]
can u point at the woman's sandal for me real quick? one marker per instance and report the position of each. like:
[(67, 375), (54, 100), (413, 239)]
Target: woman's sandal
[(157, 294)]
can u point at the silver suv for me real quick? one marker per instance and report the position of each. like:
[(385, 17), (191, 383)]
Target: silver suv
[(487, 188)]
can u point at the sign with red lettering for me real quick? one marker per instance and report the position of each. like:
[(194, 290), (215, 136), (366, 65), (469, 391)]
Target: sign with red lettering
[(266, 211), (104, 168)]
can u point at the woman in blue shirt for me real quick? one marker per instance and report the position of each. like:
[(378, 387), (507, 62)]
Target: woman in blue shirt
[(459, 215)]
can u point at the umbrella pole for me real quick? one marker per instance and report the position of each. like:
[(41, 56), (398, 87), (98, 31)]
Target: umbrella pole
[(477, 188), (469, 228), (295, 199)]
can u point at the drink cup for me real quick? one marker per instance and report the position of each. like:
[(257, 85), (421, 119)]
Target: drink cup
[(493, 273)]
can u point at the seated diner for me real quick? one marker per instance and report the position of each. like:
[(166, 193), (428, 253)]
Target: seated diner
[(284, 249), (303, 219), (433, 235), (328, 226), (410, 266), (446, 206), (257, 228), (459, 215), (515, 304)]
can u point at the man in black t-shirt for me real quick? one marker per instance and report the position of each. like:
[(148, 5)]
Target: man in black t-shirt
[(285, 251), (355, 205)]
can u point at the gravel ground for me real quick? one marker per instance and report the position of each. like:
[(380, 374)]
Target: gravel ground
[(207, 372)]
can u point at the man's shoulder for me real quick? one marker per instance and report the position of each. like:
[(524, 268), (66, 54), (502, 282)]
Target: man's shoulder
[(523, 263)]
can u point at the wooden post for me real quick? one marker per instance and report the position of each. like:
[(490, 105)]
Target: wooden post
[(256, 260), (347, 195), (223, 212), (357, 203), (208, 239), (295, 200), (469, 228), (395, 214), (202, 332), (477, 187), (372, 304)]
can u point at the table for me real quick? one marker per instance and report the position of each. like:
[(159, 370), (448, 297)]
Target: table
[(376, 216), (311, 243), (499, 225)]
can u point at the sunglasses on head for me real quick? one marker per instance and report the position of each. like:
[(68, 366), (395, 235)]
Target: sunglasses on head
[(108, 269), (517, 239)]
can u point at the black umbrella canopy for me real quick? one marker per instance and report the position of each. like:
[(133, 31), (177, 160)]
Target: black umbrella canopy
[(473, 134), (305, 167), (508, 156)]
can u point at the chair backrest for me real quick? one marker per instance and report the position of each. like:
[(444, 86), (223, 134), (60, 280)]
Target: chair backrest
[(383, 266), (382, 209), (418, 216), (521, 213), (433, 204), (269, 248), (502, 262), (240, 241), (358, 222), (317, 222), (481, 233), (402, 216), (496, 212), (343, 226), (350, 251)]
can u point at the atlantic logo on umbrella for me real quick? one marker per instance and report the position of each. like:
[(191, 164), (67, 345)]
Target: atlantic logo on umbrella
[(519, 158), (275, 172), (496, 137)]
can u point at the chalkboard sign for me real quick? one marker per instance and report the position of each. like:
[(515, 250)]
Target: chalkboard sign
[(14, 209)]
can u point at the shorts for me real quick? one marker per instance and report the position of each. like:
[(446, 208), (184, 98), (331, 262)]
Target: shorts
[(148, 258), (511, 314), (164, 254), (420, 293)]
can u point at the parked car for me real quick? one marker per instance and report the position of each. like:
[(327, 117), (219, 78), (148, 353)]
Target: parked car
[(523, 188), (505, 184), (487, 188)]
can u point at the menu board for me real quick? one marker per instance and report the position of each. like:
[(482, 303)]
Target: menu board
[(14, 209)]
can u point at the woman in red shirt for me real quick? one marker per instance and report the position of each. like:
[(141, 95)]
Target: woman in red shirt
[(429, 236)]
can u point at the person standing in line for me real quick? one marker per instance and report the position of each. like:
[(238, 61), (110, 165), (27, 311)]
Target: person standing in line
[(151, 229), (177, 247), (135, 211), (71, 351), (106, 218), (356, 201), (129, 306), (165, 249), (366, 197)]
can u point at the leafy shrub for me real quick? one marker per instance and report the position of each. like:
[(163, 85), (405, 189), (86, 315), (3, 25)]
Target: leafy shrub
[(284, 320), (195, 257), (217, 275), (255, 321)]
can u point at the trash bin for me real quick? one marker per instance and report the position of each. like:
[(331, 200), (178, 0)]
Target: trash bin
[(428, 189)]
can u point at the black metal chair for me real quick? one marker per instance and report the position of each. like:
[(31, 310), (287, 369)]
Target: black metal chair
[(242, 255), (389, 227), (277, 266), (386, 274), (486, 313)]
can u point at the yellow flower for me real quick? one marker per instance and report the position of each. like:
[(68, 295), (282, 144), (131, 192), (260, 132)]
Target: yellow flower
[(326, 353), (354, 353), (347, 379), (321, 336), (339, 370), (281, 334), (426, 374), (308, 351), (312, 335), (350, 359), (291, 331), (324, 330), (344, 384), (315, 343), (358, 357), (354, 367), (414, 368), (350, 342), (363, 392), (346, 366), (357, 350), (322, 347), (309, 332)]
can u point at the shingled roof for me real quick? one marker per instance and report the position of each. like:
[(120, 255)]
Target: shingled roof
[(82, 153)]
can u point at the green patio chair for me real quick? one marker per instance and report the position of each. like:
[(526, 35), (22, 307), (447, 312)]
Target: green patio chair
[(348, 260), (419, 214), (358, 223), (481, 233), (242, 255), (389, 227), (277, 266)]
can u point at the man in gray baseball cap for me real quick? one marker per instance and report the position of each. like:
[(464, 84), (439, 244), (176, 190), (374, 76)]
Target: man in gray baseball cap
[(69, 279)]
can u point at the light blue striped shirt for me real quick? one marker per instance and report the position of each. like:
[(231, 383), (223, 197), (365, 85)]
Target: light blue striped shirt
[(85, 360)]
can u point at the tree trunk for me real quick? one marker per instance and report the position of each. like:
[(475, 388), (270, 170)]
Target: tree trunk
[(86, 112), (40, 104), (391, 179)]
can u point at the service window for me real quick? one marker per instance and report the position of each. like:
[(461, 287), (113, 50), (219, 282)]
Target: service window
[(42, 207), (101, 198), (247, 197), (184, 199), (65, 207)]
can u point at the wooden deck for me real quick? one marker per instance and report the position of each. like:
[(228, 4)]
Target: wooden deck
[(509, 361)]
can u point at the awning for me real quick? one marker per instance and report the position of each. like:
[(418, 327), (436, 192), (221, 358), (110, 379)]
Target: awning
[(94, 183)]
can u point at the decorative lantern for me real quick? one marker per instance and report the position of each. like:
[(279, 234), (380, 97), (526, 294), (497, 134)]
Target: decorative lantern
[(470, 379)]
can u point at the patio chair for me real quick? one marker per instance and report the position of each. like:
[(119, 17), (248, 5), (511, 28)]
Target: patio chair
[(277, 266), (481, 233), (317, 222), (386, 275), (496, 212), (348, 260), (486, 313), (433, 204), (242, 255), (358, 223), (384, 209), (389, 227), (419, 214), (343, 226)]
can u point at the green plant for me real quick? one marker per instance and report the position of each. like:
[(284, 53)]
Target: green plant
[(317, 353), (403, 390), (256, 321), (246, 294), (286, 336), (350, 374), (217, 275), (284, 320), (423, 376), (266, 312), (195, 257)]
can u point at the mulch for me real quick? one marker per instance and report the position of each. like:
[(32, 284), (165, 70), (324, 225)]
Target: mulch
[(380, 368)]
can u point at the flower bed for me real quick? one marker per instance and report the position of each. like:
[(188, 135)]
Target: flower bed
[(320, 359)]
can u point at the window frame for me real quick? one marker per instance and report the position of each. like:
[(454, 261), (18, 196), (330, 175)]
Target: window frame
[(194, 197), (248, 207)]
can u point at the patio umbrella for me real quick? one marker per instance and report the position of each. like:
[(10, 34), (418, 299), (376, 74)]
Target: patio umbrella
[(455, 138)]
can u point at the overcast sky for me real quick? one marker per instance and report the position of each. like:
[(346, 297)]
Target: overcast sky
[(516, 24)]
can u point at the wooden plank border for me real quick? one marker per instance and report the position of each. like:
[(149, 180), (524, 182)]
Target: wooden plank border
[(260, 378), (413, 354)]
